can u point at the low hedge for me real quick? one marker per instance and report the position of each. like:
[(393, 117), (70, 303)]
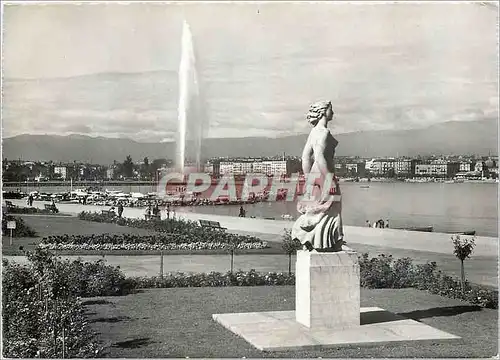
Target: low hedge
[(164, 241), (383, 272), (28, 210), (213, 279), (21, 230), (166, 225)]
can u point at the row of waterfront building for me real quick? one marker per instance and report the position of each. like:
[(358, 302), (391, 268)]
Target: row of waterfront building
[(378, 167), (347, 167)]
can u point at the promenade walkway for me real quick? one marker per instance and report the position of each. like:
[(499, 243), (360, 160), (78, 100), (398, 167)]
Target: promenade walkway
[(422, 247), (398, 239)]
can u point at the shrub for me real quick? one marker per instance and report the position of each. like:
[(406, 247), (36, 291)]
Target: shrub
[(21, 230), (383, 272), (28, 210), (42, 317), (78, 278)]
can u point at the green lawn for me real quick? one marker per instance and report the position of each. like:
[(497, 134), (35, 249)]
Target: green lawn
[(483, 270), (46, 225), (178, 323)]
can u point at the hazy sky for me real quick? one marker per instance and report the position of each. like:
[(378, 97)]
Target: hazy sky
[(386, 66)]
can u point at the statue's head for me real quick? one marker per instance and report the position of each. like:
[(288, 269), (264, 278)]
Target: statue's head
[(318, 110)]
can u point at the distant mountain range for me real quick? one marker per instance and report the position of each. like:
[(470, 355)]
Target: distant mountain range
[(455, 137)]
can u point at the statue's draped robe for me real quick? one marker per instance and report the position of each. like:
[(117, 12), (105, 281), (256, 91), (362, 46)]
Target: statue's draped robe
[(322, 227)]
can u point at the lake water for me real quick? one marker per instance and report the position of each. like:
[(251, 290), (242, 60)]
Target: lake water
[(447, 207)]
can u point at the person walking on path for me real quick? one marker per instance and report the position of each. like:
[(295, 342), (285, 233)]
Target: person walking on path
[(242, 212), (156, 211), (54, 207), (120, 209), (147, 214)]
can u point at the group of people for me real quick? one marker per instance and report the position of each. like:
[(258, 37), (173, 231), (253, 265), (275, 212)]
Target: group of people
[(83, 200), (378, 224), (52, 206), (152, 211), (120, 209), (30, 200)]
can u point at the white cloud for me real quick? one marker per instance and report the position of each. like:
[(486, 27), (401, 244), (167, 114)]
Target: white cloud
[(411, 66)]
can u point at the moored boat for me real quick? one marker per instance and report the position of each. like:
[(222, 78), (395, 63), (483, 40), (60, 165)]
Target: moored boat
[(421, 229), (467, 233)]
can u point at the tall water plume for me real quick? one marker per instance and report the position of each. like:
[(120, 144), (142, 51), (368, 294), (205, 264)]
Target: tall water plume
[(190, 118)]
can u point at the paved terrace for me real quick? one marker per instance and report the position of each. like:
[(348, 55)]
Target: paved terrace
[(399, 239)]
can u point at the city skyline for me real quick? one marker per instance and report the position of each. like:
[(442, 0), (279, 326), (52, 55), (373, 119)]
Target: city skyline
[(111, 70)]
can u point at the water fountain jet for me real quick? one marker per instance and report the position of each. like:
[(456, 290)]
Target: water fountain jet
[(190, 119)]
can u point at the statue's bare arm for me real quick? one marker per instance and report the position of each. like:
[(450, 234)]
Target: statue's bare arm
[(307, 157), (319, 146)]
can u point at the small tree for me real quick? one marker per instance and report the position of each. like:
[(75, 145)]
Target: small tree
[(230, 247), (290, 246), (462, 249), (128, 167)]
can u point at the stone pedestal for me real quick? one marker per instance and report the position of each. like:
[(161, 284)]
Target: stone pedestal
[(327, 290), (327, 312)]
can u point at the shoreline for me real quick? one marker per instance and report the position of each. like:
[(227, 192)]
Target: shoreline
[(388, 237), (447, 208), (103, 183)]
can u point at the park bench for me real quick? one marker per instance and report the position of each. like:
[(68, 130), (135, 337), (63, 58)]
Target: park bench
[(152, 217), (9, 204), (109, 213), (211, 225), (50, 208)]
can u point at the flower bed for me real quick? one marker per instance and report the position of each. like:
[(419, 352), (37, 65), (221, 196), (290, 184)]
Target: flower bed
[(183, 233), (148, 242)]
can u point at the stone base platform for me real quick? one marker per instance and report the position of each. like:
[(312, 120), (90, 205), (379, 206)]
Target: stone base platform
[(278, 330)]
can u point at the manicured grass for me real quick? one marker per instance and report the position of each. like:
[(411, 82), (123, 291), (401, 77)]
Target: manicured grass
[(481, 270), (53, 225), (46, 225), (178, 323)]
